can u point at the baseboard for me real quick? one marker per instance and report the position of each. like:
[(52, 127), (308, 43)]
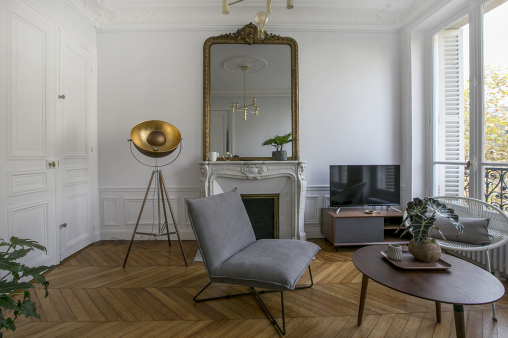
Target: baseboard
[(314, 233), (107, 235)]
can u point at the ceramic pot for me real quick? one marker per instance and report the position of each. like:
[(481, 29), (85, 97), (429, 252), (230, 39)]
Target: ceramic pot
[(281, 155), (395, 252), (425, 252)]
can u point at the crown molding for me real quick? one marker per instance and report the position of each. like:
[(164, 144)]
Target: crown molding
[(325, 15)]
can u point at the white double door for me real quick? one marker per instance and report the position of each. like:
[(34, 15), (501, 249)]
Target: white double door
[(46, 161)]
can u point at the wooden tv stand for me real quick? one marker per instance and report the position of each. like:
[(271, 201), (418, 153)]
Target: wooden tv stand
[(352, 226)]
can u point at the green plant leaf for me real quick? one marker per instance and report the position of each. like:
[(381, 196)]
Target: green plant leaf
[(278, 141), (434, 227), (442, 210), (421, 226), (8, 287), (29, 310), (7, 265), (7, 303), (37, 270), (15, 241), (415, 206), (16, 254), (269, 142), (6, 322)]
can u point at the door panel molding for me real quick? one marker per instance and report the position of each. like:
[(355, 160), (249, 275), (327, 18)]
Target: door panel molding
[(78, 222), (21, 220), (75, 137), (28, 140), (75, 175), (26, 182)]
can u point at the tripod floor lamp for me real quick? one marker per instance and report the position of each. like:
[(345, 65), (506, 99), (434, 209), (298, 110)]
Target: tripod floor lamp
[(157, 139)]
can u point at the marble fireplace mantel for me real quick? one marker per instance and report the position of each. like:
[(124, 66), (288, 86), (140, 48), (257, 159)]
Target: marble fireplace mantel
[(287, 178)]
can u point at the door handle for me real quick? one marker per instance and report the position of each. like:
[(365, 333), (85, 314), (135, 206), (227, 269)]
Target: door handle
[(64, 225), (52, 164), (61, 97)]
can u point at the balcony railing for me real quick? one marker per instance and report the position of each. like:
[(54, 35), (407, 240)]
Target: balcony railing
[(466, 182), (496, 188)]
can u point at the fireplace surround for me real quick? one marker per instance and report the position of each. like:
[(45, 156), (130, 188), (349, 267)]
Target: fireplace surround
[(286, 178)]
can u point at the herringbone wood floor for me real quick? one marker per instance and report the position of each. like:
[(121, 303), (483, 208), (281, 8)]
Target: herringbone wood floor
[(92, 296)]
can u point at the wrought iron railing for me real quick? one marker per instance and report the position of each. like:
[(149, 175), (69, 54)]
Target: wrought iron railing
[(496, 188), (466, 182)]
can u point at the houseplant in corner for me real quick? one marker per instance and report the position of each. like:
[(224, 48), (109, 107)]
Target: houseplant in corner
[(419, 220), (279, 142), (14, 294)]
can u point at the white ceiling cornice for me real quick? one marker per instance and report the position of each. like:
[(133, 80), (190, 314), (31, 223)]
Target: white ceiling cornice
[(379, 15)]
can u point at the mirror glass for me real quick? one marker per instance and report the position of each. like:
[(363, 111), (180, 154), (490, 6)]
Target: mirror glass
[(268, 79)]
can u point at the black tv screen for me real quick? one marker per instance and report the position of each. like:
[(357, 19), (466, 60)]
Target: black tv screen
[(358, 185)]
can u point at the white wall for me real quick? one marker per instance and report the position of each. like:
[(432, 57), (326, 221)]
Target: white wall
[(349, 110)]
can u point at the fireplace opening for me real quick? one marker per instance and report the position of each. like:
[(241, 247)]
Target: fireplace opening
[(263, 211)]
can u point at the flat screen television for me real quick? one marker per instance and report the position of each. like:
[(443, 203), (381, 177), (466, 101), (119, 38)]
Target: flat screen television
[(358, 185)]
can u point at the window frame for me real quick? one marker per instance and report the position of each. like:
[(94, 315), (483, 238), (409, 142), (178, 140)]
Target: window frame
[(474, 10)]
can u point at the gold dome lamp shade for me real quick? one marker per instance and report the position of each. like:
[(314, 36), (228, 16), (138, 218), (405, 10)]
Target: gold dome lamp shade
[(155, 138)]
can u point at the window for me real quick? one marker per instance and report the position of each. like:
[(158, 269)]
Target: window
[(495, 103), (451, 94), (470, 120)]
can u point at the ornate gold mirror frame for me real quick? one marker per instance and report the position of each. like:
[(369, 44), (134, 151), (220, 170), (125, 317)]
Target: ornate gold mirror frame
[(248, 35)]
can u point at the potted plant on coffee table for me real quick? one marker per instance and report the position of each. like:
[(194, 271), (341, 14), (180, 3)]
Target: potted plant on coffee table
[(419, 220), (279, 142)]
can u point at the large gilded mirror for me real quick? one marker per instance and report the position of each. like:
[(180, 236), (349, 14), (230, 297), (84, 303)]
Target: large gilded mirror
[(239, 68)]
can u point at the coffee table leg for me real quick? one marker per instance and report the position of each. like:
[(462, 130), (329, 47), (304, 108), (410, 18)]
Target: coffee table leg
[(438, 312), (460, 323), (365, 283)]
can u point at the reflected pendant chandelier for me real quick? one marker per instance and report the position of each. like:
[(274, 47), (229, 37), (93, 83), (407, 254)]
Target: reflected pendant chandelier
[(234, 106), (260, 18)]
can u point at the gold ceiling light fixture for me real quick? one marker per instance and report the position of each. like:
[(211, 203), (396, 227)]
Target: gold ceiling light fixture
[(234, 106), (261, 17)]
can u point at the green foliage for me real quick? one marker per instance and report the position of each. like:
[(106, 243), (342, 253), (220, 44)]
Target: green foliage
[(279, 141), (11, 289), (421, 223), (496, 115)]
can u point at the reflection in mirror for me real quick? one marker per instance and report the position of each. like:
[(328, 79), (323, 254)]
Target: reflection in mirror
[(268, 79)]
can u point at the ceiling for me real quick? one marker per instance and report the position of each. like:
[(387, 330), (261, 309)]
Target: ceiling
[(202, 14), (274, 79)]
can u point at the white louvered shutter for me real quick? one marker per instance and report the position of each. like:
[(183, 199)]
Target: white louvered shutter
[(450, 101)]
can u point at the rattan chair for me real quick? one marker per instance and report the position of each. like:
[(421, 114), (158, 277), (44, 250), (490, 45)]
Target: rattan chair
[(473, 208)]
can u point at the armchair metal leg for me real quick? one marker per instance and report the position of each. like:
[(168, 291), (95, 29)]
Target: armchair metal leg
[(257, 293), (494, 316), (274, 322)]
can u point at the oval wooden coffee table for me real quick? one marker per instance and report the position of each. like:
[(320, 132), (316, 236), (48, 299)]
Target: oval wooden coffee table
[(463, 284)]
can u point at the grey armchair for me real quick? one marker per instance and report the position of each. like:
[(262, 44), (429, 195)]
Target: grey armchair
[(232, 255)]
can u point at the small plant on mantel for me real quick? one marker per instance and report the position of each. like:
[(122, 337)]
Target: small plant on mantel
[(279, 142), (14, 295), (419, 220)]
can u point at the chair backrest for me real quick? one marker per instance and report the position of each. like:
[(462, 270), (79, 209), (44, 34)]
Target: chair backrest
[(473, 208), (221, 226)]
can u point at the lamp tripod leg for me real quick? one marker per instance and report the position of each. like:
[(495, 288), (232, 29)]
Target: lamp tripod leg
[(173, 217), (164, 208), (139, 218)]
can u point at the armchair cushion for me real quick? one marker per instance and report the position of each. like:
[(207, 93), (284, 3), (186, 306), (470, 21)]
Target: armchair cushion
[(475, 230), (275, 264)]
